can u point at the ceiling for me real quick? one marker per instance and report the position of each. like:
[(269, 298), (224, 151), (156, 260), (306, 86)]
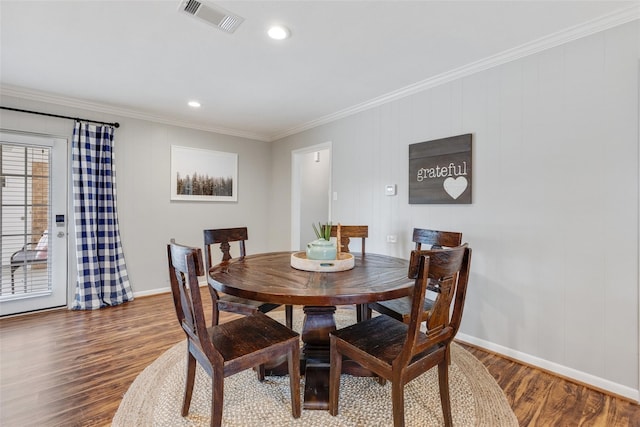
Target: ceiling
[(146, 59)]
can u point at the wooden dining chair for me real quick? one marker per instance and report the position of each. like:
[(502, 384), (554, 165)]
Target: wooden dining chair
[(350, 231), (400, 308), (400, 352), (225, 236), (228, 348), (347, 232)]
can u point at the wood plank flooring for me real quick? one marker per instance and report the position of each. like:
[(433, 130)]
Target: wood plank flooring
[(71, 368)]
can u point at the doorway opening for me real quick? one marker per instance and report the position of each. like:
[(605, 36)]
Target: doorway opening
[(310, 192)]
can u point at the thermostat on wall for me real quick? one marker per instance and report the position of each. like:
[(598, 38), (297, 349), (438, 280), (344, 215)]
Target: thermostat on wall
[(390, 189)]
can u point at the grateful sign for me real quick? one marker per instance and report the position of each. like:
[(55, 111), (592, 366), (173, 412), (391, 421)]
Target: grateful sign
[(440, 171)]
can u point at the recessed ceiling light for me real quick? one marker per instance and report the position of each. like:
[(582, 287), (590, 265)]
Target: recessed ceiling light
[(194, 104), (279, 32)]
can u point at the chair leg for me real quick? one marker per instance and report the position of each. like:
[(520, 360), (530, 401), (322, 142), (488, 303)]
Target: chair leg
[(335, 368), (294, 379), (215, 314), (188, 389), (215, 311), (397, 399), (259, 372), (363, 312), (288, 315), (443, 382), (217, 395)]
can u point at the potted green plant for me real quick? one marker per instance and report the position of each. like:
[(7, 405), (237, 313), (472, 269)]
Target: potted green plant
[(322, 248)]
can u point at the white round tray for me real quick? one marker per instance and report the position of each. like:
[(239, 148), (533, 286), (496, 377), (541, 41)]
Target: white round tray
[(299, 261)]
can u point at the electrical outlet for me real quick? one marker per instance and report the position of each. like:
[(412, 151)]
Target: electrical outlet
[(392, 238)]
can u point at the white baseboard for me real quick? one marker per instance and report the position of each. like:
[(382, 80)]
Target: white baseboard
[(152, 292), (166, 290), (582, 377)]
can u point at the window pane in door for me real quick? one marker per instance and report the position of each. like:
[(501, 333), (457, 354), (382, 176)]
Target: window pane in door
[(24, 220)]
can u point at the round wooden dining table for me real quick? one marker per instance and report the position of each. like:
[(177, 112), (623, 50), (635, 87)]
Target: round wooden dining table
[(269, 277)]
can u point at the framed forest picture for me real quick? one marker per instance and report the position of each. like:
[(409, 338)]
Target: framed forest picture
[(203, 175)]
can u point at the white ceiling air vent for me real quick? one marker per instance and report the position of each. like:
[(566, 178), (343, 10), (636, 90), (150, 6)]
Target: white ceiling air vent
[(214, 15)]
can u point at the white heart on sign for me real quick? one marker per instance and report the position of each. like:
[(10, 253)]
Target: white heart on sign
[(455, 186)]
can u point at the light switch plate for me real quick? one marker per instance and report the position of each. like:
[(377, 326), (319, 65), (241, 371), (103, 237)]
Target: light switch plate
[(390, 190)]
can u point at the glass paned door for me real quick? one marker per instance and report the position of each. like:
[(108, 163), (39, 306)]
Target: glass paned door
[(32, 244)]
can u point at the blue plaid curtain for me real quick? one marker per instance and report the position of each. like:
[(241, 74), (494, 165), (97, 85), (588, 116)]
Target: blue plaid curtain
[(102, 273)]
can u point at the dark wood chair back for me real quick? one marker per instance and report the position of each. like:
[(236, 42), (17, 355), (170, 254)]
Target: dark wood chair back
[(225, 349), (447, 273), (224, 236), (185, 265), (436, 239), (347, 232)]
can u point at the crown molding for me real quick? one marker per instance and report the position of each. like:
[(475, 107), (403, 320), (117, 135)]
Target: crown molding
[(33, 95), (605, 22)]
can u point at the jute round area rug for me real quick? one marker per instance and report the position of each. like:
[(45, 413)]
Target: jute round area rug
[(155, 397)]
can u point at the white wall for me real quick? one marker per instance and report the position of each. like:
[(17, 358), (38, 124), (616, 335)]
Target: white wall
[(147, 216), (554, 221)]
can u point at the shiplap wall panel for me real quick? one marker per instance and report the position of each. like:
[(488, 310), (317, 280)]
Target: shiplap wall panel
[(585, 178), (620, 163), (545, 135)]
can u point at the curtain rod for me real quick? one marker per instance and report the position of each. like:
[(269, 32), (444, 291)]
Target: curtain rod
[(115, 125)]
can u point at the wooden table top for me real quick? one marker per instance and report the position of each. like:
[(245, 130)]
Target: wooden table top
[(269, 277)]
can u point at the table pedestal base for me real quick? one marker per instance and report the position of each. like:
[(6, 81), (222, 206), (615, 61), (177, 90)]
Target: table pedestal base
[(318, 323), (315, 361)]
